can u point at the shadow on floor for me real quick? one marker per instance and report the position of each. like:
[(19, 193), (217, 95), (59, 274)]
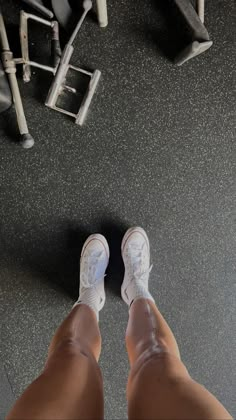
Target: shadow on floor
[(56, 258), (115, 273), (167, 31)]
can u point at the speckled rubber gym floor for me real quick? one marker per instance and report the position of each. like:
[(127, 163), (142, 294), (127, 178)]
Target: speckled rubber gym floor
[(158, 150)]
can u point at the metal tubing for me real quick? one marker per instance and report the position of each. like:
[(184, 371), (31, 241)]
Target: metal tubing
[(23, 128), (35, 64), (69, 89), (40, 8), (10, 69), (201, 9), (3, 34), (59, 85), (41, 66), (88, 73), (87, 6), (60, 77), (102, 13), (88, 98), (63, 111), (24, 40), (37, 18), (25, 45), (55, 45)]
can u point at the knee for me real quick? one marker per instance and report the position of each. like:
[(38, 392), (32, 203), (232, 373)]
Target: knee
[(157, 368), (71, 348), (72, 352)]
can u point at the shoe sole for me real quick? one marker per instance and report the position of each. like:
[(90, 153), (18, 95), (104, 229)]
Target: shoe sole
[(124, 241), (101, 239)]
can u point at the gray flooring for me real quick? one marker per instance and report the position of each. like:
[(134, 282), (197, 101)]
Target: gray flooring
[(158, 150), (7, 397)]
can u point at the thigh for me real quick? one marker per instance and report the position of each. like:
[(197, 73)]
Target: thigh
[(70, 387), (160, 387)]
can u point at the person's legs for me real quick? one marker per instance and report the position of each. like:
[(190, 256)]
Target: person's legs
[(70, 386), (159, 385)]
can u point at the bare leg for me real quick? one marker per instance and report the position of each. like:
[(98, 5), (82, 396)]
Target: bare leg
[(159, 385), (70, 386)]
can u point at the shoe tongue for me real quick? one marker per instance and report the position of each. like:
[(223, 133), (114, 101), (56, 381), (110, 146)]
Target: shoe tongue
[(138, 275), (135, 247), (137, 263), (95, 269), (96, 254)]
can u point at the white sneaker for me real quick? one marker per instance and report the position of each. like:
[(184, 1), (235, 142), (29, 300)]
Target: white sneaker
[(93, 263), (135, 251)]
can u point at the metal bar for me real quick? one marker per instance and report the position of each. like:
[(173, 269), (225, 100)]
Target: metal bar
[(3, 34), (59, 80), (23, 128), (201, 9), (10, 69), (88, 98), (87, 6), (102, 13), (40, 8), (88, 73), (59, 77), (25, 45), (19, 60), (69, 89), (55, 45), (35, 64), (24, 40), (63, 111), (37, 19), (41, 66)]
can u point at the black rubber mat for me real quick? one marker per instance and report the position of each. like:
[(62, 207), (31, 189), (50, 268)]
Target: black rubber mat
[(157, 150), (6, 394)]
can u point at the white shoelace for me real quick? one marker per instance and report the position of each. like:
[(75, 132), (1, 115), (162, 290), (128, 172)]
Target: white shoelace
[(137, 262), (91, 263)]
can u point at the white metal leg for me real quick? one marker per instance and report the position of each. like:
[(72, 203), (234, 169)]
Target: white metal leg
[(201, 9), (102, 13)]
